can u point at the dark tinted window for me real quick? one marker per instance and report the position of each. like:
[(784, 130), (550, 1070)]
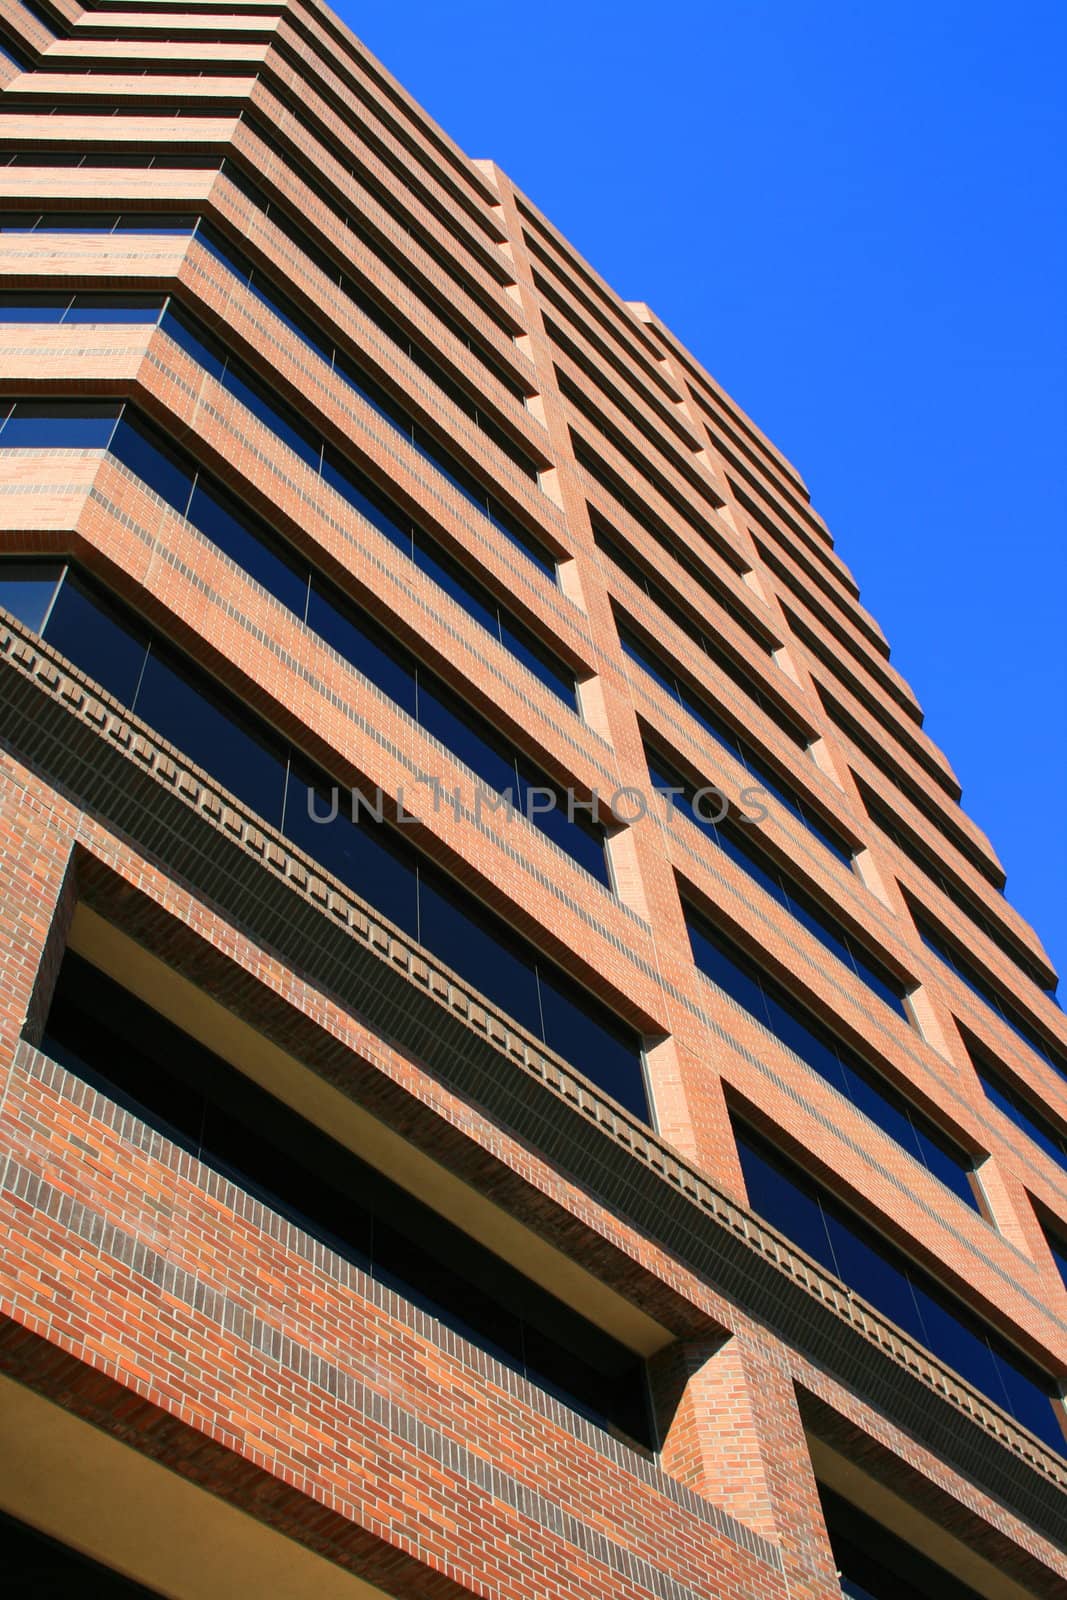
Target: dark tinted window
[(27, 307), (58, 425), (365, 498), (104, 641), (1017, 1105), (906, 1294), (100, 1031), (874, 1564), (1057, 1243), (105, 308), (736, 839), (26, 590), (707, 642), (362, 855), (377, 860), (41, 1567), (731, 741), (250, 545), (381, 400), (212, 729), (797, 1028), (984, 988), (141, 448), (337, 620)]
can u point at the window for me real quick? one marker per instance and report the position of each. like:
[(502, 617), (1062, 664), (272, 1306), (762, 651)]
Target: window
[(337, 620), (953, 958), (186, 160), (898, 727), (799, 1031), (38, 1565), (820, 1224), (874, 1564), (94, 222), (1056, 1238), (27, 590), (640, 513), (611, 544), (876, 753), (1017, 1105), (387, 407), (313, 178), (738, 747), (380, 317), (343, 476), (56, 424), (927, 862), (736, 839), (31, 307), (102, 1033), (642, 464), (14, 55), (142, 669)]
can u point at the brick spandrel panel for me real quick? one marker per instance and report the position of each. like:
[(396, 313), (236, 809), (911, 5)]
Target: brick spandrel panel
[(158, 1302)]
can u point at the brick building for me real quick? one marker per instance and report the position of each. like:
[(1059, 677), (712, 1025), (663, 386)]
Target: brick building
[(655, 1186)]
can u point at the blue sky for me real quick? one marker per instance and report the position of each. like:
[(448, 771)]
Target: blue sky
[(853, 215)]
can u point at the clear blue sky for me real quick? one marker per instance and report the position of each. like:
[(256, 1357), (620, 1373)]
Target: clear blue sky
[(853, 214)]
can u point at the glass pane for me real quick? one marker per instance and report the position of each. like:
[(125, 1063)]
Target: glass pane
[(1043, 1133), (785, 1203), (865, 1263), (818, 925), (599, 1049), (553, 674), (940, 1161), (386, 407), (883, 1108), (343, 477), (109, 308), (140, 448), (77, 222), (147, 222), (756, 867), (524, 541), (263, 558), (644, 658), (362, 855), (362, 645), (299, 439), (956, 1343), (448, 577), (199, 346), (1028, 1399), (26, 590), (584, 844), (1057, 1244), (286, 312), (713, 960), (428, 1275), (227, 255), (33, 307), (809, 1044), (461, 731), (478, 949), (880, 983), (59, 425), (105, 643), (206, 725)]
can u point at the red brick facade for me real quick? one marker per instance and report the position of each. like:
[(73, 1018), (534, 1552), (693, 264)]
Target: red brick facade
[(155, 1301)]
